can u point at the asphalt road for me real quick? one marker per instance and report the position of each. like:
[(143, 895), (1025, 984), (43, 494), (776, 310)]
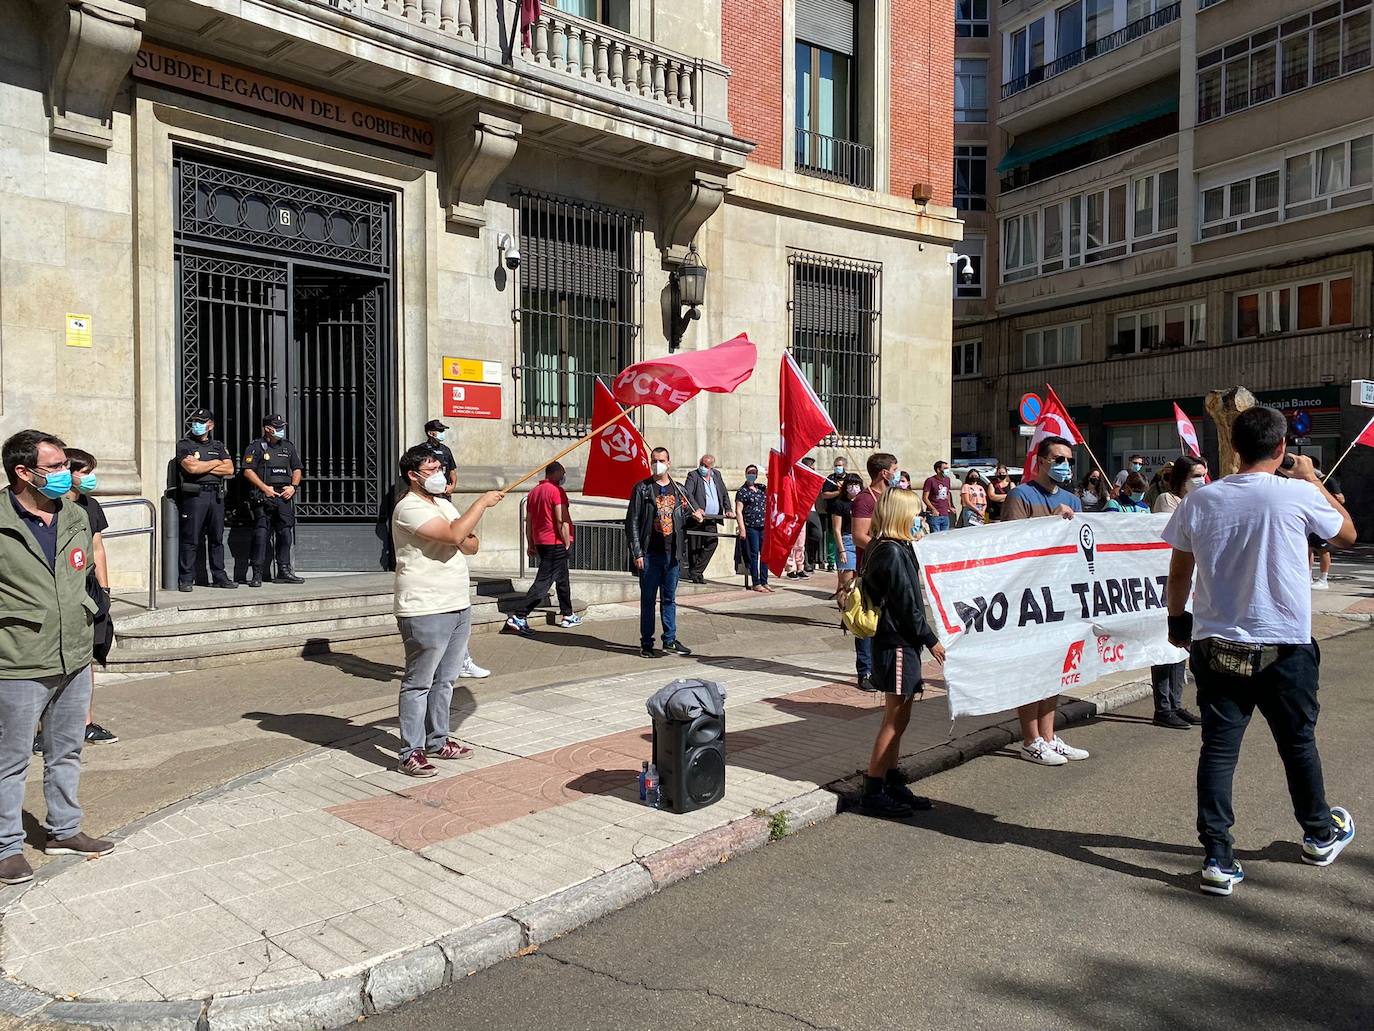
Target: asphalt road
[(1031, 898)]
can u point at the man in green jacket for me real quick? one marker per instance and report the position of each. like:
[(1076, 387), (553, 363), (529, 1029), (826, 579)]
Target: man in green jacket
[(46, 621)]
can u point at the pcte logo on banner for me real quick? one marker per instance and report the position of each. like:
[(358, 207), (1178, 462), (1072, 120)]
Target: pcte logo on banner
[(1073, 660)]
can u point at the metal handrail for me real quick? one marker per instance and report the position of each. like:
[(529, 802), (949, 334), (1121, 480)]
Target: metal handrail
[(839, 160), (133, 531), (1098, 47)]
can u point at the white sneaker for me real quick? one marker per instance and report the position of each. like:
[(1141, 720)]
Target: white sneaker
[(471, 669), (1067, 750), (1039, 751), (1319, 584)]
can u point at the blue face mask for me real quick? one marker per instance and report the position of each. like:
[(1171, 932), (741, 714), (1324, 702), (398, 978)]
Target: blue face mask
[(705, 471), (1138, 498), (199, 429), (751, 477), (56, 485), (1061, 472), (86, 483), (439, 437)]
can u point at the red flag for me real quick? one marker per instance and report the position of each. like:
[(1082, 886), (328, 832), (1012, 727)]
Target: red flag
[(1187, 435), (671, 381), (1054, 422), (792, 492), (618, 457), (1366, 436), (529, 15), (804, 420)]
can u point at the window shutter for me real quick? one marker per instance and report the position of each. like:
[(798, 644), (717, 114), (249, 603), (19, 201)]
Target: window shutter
[(827, 23)]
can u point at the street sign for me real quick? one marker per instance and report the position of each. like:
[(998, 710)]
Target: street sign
[(1027, 431), (1362, 392), (968, 443), (472, 401), (1030, 408), (1302, 422), (471, 370)]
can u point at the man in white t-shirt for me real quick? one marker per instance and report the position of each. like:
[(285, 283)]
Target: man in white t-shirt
[(1245, 537), (433, 605)]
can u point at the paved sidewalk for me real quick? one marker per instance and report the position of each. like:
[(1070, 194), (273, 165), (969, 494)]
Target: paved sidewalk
[(328, 865)]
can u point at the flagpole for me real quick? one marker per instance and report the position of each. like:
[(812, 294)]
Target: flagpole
[(565, 452)]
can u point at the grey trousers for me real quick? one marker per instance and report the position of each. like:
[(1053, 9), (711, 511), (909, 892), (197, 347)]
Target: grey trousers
[(61, 703), (1167, 682), (436, 647)]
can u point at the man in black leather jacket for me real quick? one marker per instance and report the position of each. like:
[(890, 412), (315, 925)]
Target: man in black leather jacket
[(656, 532)]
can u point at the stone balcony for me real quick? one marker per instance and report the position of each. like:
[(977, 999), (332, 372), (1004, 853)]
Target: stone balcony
[(570, 85)]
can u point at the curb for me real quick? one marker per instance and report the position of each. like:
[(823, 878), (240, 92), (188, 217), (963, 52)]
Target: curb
[(405, 978)]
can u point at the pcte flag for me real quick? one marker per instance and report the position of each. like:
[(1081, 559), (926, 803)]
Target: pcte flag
[(792, 491), (618, 458), (803, 420), (1053, 603), (672, 380), (1054, 421), (1366, 436), (1187, 434)]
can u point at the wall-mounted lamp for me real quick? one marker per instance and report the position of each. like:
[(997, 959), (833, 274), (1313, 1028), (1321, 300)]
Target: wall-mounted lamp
[(689, 291)]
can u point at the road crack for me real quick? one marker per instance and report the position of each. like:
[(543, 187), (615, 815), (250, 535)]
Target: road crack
[(708, 992)]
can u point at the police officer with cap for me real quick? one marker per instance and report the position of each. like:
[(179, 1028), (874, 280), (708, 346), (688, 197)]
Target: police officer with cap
[(203, 471), (435, 431), (272, 468)]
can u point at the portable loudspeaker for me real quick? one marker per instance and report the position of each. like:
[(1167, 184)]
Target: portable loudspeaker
[(690, 756)]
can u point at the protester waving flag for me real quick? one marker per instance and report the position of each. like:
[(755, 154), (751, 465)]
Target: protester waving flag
[(618, 458), (1054, 422), (792, 492), (671, 381), (802, 418)]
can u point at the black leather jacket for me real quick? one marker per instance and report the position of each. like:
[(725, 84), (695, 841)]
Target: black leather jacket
[(892, 581), (640, 516)]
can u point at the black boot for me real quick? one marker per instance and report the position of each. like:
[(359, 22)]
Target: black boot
[(288, 576), (877, 801), (896, 785)]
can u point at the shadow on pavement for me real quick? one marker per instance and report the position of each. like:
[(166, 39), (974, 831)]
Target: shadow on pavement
[(356, 665)]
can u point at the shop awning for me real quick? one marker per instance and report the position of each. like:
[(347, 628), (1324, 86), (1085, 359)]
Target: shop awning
[(1024, 154)]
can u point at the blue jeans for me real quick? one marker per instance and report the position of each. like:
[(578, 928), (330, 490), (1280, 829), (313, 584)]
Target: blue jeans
[(658, 582), (753, 555), (863, 656), (937, 523)]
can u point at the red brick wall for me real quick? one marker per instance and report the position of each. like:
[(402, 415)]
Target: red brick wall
[(751, 47), (922, 97)]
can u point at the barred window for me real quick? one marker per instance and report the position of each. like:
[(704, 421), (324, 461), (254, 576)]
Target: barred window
[(581, 308), (836, 312)]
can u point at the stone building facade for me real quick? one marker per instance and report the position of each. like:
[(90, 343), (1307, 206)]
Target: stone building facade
[(1166, 198), (307, 206)]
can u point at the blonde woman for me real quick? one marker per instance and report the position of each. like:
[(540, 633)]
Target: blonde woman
[(891, 579)]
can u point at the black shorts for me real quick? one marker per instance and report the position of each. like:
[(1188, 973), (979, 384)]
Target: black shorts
[(897, 670), (1318, 544)]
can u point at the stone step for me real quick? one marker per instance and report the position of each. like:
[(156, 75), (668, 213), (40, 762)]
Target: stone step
[(228, 646)]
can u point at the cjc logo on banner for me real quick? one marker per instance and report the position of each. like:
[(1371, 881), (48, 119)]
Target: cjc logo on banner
[(1030, 596)]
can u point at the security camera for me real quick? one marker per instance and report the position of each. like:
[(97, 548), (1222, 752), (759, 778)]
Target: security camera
[(965, 264), (506, 247)]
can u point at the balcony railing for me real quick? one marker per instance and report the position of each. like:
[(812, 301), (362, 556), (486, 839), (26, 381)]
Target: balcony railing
[(1098, 47), (840, 161), (450, 17), (623, 64)]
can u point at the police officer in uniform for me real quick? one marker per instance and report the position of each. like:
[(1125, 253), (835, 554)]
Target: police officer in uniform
[(435, 431), (272, 468), (203, 471)]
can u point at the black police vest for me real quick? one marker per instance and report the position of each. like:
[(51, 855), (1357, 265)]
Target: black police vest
[(272, 462)]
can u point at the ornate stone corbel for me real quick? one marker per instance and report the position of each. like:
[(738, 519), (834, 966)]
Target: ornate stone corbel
[(686, 201), (477, 147), (91, 47)]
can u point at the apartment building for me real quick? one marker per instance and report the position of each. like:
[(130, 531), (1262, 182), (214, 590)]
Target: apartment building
[(315, 207), (1164, 198)]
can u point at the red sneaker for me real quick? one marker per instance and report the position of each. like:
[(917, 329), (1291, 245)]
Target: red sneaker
[(451, 750), (416, 765)]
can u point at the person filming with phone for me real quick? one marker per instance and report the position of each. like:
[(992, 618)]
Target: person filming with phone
[(1243, 539)]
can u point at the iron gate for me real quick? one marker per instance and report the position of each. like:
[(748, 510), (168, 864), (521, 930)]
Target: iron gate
[(285, 307)]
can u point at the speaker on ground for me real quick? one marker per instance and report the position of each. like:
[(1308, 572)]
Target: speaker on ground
[(690, 756)]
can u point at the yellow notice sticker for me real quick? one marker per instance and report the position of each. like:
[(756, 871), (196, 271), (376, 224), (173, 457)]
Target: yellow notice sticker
[(78, 330)]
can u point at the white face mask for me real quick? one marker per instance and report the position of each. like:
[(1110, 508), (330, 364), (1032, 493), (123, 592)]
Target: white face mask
[(435, 483), (660, 468), (852, 491), (1193, 484)]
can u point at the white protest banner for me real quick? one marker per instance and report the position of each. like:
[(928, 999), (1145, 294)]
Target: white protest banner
[(1033, 607)]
